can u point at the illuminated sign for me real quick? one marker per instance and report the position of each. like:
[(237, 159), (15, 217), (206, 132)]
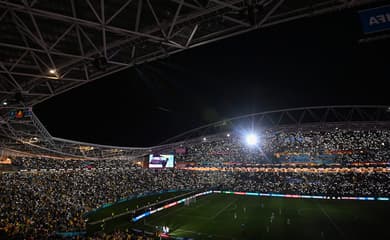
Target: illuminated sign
[(19, 114), (375, 19)]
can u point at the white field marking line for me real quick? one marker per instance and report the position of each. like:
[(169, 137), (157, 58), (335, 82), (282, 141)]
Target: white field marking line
[(107, 219), (156, 218), (184, 215), (331, 221), (179, 207), (201, 217), (223, 209)]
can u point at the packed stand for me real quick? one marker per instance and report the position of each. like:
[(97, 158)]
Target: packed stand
[(328, 184), (29, 163), (43, 203), (40, 204), (330, 146)]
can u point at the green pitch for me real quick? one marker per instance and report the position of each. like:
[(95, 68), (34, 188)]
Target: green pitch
[(120, 212), (221, 216), (130, 205)]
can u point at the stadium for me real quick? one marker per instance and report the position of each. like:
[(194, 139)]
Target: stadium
[(314, 172)]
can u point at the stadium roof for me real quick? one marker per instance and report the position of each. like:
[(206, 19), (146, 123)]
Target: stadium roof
[(41, 143), (50, 47)]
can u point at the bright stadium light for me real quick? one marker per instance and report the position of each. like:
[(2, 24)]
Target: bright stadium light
[(251, 139)]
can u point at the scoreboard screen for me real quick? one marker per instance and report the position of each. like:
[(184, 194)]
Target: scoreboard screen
[(19, 114), (161, 161)]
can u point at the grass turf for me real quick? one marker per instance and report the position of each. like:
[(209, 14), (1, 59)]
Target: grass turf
[(125, 207), (212, 217)]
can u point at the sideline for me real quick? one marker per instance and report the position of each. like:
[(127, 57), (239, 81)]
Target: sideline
[(107, 219)]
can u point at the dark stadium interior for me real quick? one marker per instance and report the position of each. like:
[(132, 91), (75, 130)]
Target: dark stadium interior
[(308, 62), (194, 119)]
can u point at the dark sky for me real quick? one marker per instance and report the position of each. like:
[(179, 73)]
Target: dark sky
[(309, 62)]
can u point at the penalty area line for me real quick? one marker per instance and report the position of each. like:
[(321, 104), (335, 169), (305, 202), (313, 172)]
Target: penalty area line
[(338, 229), (223, 209)]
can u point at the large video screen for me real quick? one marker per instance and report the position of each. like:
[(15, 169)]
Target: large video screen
[(161, 161)]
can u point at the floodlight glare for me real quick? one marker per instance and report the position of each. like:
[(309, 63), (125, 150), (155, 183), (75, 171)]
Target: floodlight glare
[(251, 139), (52, 71)]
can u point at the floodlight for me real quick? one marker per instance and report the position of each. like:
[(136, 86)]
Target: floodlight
[(52, 71), (228, 135), (204, 139), (251, 139)]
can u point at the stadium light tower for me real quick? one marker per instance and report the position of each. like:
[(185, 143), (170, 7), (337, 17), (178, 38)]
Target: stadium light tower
[(251, 139)]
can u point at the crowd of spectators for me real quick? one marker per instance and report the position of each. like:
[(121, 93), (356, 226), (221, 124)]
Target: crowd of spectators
[(328, 184), (326, 146), (42, 203), (121, 235), (28, 163), (39, 204), (333, 145)]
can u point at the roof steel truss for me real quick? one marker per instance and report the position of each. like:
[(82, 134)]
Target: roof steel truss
[(82, 41)]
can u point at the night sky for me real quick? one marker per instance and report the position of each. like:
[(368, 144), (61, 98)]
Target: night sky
[(309, 62)]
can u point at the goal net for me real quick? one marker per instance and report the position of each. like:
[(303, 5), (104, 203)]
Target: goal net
[(190, 201)]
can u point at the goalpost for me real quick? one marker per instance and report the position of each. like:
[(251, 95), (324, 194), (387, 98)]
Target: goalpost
[(190, 201)]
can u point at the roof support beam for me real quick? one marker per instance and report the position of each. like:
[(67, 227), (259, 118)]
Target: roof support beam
[(69, 19), (94, 11), (11, 78), (175, 18), (42, 51), (118, 11), (36, 76), (156, 19), (41, 40), (103, 21), (192, 35), (18, 60), (61, 37), (274, 8)]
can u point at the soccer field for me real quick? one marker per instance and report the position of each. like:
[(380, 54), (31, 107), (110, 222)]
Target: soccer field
[(221, 216)]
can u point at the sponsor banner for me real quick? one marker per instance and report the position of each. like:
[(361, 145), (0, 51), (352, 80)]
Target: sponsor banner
[(137, 218), (304, 196), (375, 19)]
